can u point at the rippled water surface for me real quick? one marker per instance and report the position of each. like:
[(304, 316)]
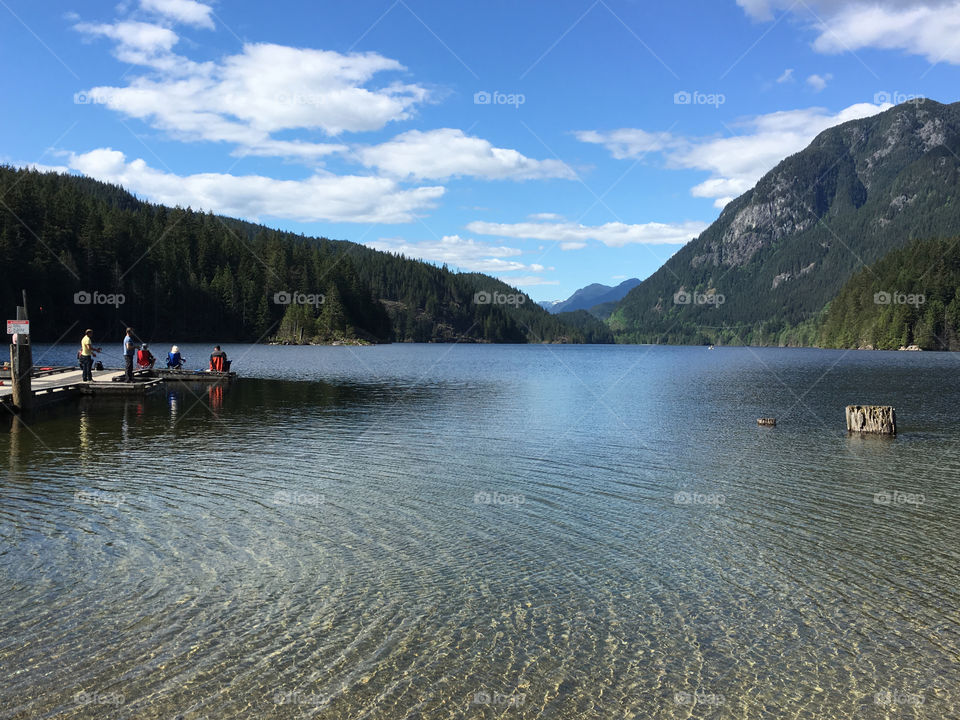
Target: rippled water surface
[(489, 531)]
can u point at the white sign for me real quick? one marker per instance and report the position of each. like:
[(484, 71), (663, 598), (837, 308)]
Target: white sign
[(15, 327)]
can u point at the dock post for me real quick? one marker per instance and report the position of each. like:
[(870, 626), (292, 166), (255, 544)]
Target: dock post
[(21, 364)]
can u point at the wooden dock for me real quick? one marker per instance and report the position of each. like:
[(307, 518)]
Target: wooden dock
[(24, 386), (55, 384)]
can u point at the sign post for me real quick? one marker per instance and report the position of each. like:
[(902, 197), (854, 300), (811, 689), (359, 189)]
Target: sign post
[(21, 357)]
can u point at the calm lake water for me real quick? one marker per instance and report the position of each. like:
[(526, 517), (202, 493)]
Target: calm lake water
[(419, 531)]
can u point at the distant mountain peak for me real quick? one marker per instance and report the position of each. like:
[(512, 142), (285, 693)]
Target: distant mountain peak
[(591, 295)]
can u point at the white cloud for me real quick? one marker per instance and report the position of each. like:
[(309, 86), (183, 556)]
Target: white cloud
[(628, 142), (447, 152), (319, 197), (922, 27), (245, 98), (922, 30), (545, 216), (736, 163), (138, 43), (464, 253), (819, 82), (188, 12), (575, 235), (787, 76)]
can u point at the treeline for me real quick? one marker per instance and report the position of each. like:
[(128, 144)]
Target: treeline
[(909, 297), (92, 254), (594, 330)]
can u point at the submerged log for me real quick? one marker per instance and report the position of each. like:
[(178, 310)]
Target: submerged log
[(880, 419)]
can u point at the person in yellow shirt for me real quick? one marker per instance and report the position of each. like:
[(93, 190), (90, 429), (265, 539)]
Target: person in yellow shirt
[(87, 351)]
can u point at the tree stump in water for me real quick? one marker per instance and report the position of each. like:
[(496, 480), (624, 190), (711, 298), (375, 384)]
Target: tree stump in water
[(879, 419)]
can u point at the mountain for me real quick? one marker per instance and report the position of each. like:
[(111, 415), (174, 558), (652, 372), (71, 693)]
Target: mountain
[(595, 294), (92, 255), (909, 297), (764, 270)]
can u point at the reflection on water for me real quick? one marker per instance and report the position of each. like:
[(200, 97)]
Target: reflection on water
[(435, 531)]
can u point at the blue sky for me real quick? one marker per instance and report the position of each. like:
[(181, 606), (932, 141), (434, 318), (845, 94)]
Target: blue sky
[(551, 144)]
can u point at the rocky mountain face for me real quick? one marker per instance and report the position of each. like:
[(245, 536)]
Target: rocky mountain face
[(782, 250)]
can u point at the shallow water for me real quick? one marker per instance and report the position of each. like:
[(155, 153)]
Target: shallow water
[(489, 531)]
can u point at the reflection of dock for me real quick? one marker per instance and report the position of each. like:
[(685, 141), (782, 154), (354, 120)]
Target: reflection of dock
[(192, 375), (55, 384)]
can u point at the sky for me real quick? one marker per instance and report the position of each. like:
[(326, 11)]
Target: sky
[(550, 143)]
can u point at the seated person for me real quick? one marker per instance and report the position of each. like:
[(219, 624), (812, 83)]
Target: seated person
[(174, 359), (218, 360), (145, 358)]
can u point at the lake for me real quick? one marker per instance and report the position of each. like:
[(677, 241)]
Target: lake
[(450, 531)]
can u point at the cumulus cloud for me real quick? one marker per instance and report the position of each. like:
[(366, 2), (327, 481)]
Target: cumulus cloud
[(819, 82), (138, 43), (188, 12), (921, 27), (575, 235), (446, 152), (245, 98), (736, 163), (464, 253), (319, 197)]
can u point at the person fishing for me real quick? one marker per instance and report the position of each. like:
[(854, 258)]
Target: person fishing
[(174, 359), (218, 360), (130, 347), (86, 355), (145, 358)]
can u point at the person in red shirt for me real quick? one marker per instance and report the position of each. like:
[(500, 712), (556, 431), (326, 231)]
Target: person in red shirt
[(145, 358)]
